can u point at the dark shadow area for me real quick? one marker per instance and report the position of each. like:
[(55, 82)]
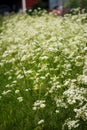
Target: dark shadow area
[(7, 6), (44, 4)]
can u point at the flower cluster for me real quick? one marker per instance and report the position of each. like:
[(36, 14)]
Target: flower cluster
[(39, 104), (43, 72)]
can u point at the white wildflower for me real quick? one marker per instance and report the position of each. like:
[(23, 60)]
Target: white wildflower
[(39, 104), (42, 105), (82, 78), (67, 82), (14, 82), (34, 108), (27, 90), (40, 122), (20, 99), (85, 71), (20, 76), (51, 49), (57, 111), (85, 79), (10, 77), (81, 112), (6, 92), (85, 49), (7, 86), (42, 77), (28, 71), (44, 57), (17, 91), (72, 124)]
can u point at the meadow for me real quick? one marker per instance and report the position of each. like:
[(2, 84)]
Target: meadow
[(43, 72)]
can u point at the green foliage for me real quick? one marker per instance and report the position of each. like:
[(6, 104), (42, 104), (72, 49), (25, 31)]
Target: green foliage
[(85, 4), (1, 20), (74, 3), (41, 5), (36, 12), (43, 72), (77, 4)]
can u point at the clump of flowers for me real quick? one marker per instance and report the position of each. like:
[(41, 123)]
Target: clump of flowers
[(43, 72), (39, 104)]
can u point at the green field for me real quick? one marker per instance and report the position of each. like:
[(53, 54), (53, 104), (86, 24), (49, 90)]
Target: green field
[(43, 72)]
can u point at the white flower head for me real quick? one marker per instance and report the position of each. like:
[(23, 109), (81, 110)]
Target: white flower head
[(42, 105), (40, 122), (39, 104), (34, 108), (20, 99), (72, 124), (17, 91), (57, 111), (26, 89), (85, 49), (6, 92)]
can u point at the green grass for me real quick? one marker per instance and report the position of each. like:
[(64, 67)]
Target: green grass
[(43, 72)]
